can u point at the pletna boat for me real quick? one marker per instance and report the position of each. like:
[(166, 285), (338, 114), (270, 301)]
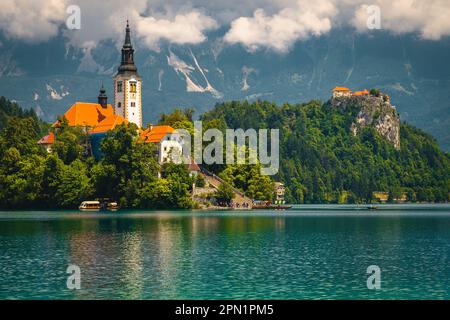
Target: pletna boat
[(90, 206), (112, 206)]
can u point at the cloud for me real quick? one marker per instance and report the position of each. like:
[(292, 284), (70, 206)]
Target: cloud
[(281, 30), (32, 21), (429, 18), (256, 24), (39, 20), (106, 20), (186, 28)]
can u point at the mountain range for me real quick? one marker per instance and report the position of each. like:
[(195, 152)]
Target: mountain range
[(49, 77)]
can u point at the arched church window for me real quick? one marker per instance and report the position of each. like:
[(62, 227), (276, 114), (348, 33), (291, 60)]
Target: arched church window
[(133, 87)]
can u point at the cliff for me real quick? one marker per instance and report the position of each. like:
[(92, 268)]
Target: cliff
[(376, 111)]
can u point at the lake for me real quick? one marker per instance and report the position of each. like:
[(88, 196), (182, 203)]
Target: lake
[(309, 252)]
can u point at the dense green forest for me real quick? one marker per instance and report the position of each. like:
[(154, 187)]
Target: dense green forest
[(128, 172), (321, 161)]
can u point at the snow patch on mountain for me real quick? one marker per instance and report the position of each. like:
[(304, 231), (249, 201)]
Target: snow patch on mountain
[(246, 71), (54, 94), (181, 67), (160, 75), (209, 88)]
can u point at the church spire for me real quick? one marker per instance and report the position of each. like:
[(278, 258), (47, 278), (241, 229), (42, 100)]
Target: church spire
[(127, 42), (127, 64), (102, 97)]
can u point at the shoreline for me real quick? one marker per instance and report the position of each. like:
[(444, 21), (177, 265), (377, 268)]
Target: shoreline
[(295, 207)]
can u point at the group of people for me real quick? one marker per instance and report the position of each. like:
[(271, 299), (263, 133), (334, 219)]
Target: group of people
[(237, 205)]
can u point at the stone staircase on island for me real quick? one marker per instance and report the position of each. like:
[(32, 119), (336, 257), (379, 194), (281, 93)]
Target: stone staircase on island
[(239, 197)]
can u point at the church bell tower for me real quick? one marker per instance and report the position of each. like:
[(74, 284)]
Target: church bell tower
[(128, 85)]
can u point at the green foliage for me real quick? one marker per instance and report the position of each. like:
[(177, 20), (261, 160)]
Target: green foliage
[(224, 194), (375, 92), (71, 142), (179, 119), (128, 171), (248, 179), (322, 162)]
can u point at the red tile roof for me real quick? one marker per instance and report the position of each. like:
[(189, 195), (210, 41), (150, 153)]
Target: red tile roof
[(193, 166), (361, 93), (48, 139), (156, 133), (341, 89), (86, 114), (109, 123)]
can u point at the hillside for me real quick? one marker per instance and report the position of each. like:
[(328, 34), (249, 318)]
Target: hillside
[(49, 77), (324, 161)]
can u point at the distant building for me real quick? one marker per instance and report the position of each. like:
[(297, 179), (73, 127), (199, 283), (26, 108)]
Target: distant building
[(193, 168), (98, 118), (167, 140), (90, 115), (47, 141), (279, 191), (341, 92), (364, 92)]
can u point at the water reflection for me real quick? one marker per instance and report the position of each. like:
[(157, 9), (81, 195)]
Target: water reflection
[(197, 256)]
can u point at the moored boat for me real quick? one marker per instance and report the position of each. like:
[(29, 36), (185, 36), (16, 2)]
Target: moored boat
[(90, 206), (270, 206), (112, 206), (280, 206)]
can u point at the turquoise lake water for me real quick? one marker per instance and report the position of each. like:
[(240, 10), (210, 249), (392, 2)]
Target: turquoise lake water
[(310, 252)]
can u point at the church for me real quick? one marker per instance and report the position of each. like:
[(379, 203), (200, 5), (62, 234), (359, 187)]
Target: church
[(98, 118)]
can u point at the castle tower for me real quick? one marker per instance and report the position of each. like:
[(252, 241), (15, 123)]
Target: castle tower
[(128, 85)]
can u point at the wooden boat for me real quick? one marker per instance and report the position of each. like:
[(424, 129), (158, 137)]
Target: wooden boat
[(280, 206), (90, 206), (112, 206), (269, 206), (372, 207)]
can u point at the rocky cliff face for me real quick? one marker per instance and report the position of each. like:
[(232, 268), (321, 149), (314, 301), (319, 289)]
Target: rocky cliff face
[(374, 111)]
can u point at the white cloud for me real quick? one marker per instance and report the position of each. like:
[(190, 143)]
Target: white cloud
[(281, 30), (429, 18), (188, 28), (273, 24), (36, 20), (106, 20), (39, 20)]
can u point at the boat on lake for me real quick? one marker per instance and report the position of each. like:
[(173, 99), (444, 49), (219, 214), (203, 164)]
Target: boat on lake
[(112, 206), (90, 206), (97, 205), (268, 205)]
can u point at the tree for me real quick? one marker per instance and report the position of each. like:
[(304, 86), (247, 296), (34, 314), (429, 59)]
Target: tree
[(224, 194), (73, 185)]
